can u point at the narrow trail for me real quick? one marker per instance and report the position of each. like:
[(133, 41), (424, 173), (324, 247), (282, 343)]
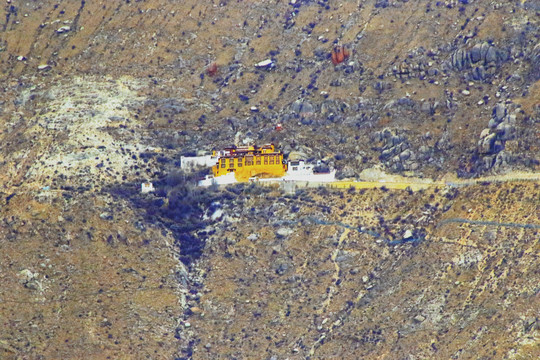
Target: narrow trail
[(399, 182), (441, 223), (360, 229), (375, 234), (488, 223)]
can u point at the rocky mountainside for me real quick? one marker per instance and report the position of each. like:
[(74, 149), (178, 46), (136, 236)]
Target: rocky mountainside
[(372, 274), (100, 96), (429, 87)]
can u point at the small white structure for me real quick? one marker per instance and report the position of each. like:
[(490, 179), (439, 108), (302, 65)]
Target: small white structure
[(147, 187), (210, 180), (268, 63), (300, 171)]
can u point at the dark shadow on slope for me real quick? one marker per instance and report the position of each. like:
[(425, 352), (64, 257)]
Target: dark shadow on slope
[(179, 206)]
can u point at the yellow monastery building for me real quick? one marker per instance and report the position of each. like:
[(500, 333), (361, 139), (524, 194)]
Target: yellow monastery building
[(249, 161)]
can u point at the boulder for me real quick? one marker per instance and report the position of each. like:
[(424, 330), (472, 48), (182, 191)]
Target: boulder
[(432, 72), (386, 154), (484, 133), (505, 131), (478, 73), (476, 53), (492, 124), (457, 60), (486, 145), (265, 64), (491, 55), (382, 4), (282, 267), (499, 112), (405, 101), (479, 54), (488, 162), (502, 160), (347, 172), (405, 155), (484, 47), (284, 231), (297, 155)]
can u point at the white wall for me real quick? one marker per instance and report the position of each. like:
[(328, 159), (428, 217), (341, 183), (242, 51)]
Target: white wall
[(191, 162)]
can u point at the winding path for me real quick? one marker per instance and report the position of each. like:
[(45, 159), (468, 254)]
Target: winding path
[(488, 223), (399, 182)]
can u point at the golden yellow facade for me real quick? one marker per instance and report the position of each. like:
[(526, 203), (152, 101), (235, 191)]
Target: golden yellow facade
[(250, 161)]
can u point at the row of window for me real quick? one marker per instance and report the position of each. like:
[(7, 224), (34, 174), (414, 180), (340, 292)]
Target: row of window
[(251, 160)]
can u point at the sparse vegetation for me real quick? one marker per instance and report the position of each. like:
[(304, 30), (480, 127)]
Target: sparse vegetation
[(98, 97)]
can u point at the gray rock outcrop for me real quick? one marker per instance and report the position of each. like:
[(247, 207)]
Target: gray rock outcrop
[(480, 61), (501, 128), (395, 151)]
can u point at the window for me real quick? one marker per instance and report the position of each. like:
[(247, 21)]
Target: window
[(240, 162), (231, 163), (258, 160), (277, 159), (249, 160), (223, 163), (266, 160), (271, 159)]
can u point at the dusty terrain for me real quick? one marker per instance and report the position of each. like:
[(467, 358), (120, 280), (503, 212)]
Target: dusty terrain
[(418, 92), (304, 280), (100, 96), (76, 284)]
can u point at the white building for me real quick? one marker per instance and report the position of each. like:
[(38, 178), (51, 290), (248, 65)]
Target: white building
[(300, 171), (296, 171), (192, 162), (147, 187)]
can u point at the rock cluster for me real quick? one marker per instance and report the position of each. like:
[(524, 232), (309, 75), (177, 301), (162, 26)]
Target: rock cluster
[(30, 280), (302, 107), (535, 63), (395, 151), (419, 69), (480, 60), (501, 128)]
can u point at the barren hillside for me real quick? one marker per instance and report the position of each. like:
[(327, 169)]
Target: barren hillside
[(99, 96)]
